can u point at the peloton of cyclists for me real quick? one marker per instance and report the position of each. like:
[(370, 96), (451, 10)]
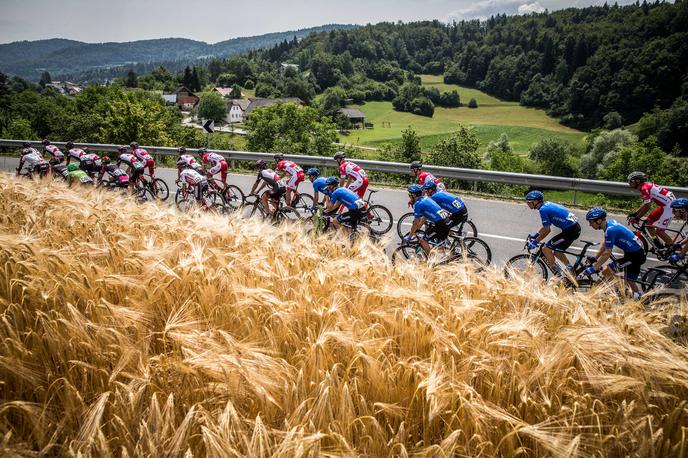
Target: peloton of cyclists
[(552, 214)]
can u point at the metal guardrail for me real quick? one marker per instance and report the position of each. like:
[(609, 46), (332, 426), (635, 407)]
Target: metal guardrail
[(475, 175)]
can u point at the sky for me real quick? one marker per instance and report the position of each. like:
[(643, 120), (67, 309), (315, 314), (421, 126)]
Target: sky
[(96, 21)]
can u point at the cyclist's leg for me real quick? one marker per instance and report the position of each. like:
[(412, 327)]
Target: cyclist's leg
[(662, 223), (559, 243), (634, 262), (291, 189)]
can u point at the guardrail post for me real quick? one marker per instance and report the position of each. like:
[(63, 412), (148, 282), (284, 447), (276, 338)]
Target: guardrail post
[(574, 196), (475, 186)]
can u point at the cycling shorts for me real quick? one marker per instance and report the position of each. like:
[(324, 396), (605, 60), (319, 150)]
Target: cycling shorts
[(220, 167), (359, 187), (352, 217), (277, 193), (89, 166), (631, 263), (294, 181), (438, 231), (565, 238), (41, 167), (135, 172), (661, 217), (459, 217)]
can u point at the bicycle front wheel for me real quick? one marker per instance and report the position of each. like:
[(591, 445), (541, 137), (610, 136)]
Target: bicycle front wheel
[(302, 205), (286, 214), (160, 189), (410, 253), (380, 219), (474, 250), (144, 195), (234, 197), (404, 224), (525, 263)]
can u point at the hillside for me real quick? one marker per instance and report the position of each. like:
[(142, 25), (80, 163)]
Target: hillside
[(67, 57)]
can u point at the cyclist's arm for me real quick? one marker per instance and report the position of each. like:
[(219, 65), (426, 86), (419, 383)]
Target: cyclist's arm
[(417, 224), (602, 258), (332, 206), (21, 165), (542, 233), (348, 181), (642, 210)]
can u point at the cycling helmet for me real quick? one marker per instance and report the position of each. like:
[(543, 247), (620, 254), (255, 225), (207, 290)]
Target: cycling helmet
[(430, 185), (181, 150), (596, 213), (339, 155), (313, 171), (416, 165), (26, 145), (414, 189), (261, 164), (535, 195), (46, 142), (202, 150), (105, 160), (72, 167), (278, 157), (681, 203), (70, 145), (122, 149), (182, 163), (637, 176), (134, 145), (331, 181)]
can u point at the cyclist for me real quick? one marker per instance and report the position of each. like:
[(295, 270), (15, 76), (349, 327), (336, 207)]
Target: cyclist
[(426, 209), (186, 160), (135, 168), (117, 176), (268, 177), (143, 156), (319, 186), (344, 197), (618, 235), (56, 156), (680, 209), (32, 160), (73, 153), (558, 216), (74, 173), (425, 177), (296, 176), (660, 218), (454, 205), (194, 180), (90, 163), (356, 178), (218, 165)]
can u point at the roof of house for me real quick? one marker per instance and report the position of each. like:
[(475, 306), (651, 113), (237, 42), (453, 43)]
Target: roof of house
[(170, 98), (260, 102), (184, 89), (224, 91), (352, 113), (241, 103)]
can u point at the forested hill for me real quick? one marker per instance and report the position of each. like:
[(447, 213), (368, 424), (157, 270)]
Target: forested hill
[(59, 57), (579, 64)]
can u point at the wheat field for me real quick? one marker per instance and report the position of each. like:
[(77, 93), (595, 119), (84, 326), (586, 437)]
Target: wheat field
[(138, 331)]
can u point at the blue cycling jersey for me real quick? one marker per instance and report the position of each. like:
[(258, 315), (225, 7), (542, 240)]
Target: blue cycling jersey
[(319, 185), (551, 213), (347, 197), (430, 209), (450, 202), (620, 236)]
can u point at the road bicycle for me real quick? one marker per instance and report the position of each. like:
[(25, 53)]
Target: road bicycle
[(454, 249), (464, 229), (379, 218), (233, 195), (320, 223), (210, 201), (667, 282), (654, 245), (253, 206), (157, 186)]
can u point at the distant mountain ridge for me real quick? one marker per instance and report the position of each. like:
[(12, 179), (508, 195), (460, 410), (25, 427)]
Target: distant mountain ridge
[(62, 57)]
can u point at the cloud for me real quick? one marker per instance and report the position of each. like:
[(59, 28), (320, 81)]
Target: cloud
[(485, 8), (528, 8)]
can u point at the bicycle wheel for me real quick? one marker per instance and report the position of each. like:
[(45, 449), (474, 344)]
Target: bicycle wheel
[(253, 208), (286, 214), (215, 203), (404, 224), (410, 253), (666, 277), (466, 229), (474, 250), (234, 198), (160, 189), (144, 195), (380, 219), (524, 263), (302, 205)]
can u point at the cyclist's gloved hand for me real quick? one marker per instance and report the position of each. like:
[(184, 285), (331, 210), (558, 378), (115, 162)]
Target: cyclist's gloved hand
[(590, 270), (676, 247), (590, 259), (533, 235), (632, 218), (676, 257), (408, 237), (532, 244)]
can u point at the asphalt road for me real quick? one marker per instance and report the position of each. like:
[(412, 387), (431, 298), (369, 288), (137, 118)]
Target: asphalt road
[(503, 224)]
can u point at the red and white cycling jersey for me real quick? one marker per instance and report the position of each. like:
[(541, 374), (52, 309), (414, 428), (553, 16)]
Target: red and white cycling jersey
[(657, 194), (350, 169), (90, 157), (142, 155), (288, 166), (192, 177), (131, 160), (55, 152), (76, 153), (427, 177), (190, 161), (213, 158), (32, 158)]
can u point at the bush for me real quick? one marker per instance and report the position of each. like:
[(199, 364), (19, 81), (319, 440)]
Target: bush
[(422, 106), (249, 84), (472, 103)]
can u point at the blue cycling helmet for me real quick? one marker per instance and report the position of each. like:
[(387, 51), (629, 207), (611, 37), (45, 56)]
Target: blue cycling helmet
[(414, 189), (535, 195), (313, 171), (596, 213), (680, 204), (430, 185), (331, 181)]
